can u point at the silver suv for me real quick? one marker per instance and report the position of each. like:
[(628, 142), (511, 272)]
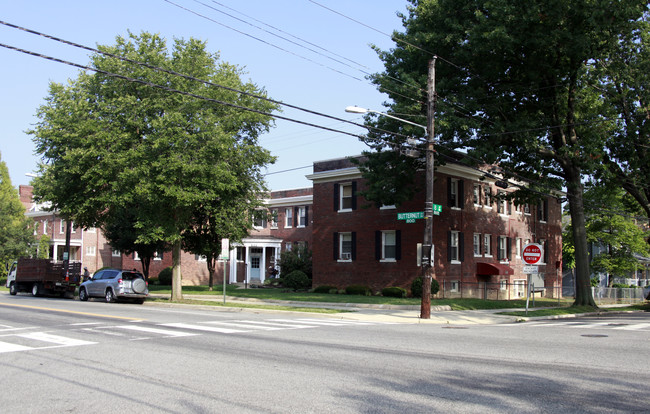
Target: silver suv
[(114, 284)]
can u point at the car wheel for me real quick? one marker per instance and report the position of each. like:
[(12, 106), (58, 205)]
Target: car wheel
[(83, 295), (110, 297), (36, 290), (138, 285), (12, 289)]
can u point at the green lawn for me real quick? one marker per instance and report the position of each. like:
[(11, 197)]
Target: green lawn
[(282, 294)]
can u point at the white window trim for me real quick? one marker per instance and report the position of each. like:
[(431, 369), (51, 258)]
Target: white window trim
[(274, 219), (91, 251), (480, 237), (302, 212), (341, 187), (340, 247), (384, 259), (288, 218)]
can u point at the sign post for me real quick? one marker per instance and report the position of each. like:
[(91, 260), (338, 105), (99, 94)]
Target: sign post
[(532, 255), (225, 250)]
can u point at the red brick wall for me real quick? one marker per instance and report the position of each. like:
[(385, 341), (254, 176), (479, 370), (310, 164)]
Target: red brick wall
[(470, 219)]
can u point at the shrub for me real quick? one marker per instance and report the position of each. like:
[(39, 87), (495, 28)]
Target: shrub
[(277, 281), (620, 285), (416, 287), (3, 281), (298, 258), (297, 280), (394, 292), (154, 281), (324, 289), (165, 276), (357, 290)]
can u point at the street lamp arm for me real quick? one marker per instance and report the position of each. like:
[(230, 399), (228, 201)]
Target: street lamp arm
[(359, 110)]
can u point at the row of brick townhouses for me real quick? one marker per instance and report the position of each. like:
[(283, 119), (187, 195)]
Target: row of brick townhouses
[(477, 237)]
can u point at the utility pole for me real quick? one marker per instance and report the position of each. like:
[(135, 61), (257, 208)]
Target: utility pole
[(428, 269)]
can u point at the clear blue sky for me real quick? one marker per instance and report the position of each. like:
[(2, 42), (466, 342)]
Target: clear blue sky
[(288, 72)]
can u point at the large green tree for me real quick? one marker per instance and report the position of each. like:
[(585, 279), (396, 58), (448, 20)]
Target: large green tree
[(613, 225), (512, 89), (624, 80), (111, 142), (16, 231)]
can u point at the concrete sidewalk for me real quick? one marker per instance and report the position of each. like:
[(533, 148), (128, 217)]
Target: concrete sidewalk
[(442, 315)]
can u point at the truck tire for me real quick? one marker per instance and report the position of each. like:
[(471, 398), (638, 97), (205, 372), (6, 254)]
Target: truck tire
[(83, 295), (12, 289), (138, 285), (36, 290), (110, 297)]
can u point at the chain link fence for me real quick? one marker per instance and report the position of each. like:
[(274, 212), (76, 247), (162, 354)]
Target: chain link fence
[(517, 290)]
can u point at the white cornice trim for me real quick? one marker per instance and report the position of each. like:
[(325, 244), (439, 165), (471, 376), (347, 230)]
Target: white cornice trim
[(332, 175), (290, 201)]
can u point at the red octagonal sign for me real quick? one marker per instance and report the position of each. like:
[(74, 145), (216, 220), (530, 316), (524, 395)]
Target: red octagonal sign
[(532, 253)]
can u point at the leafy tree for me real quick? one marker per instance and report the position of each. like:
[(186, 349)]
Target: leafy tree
[(623, 78), (16, 232), (43, 247), (228, 219), (513, 90), (298, 258), (120, 230), (616, 228), (115, 142)]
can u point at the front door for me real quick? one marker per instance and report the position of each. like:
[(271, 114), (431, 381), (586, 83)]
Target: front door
[(255, 263)]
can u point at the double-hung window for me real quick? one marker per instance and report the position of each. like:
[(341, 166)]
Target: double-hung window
[(345, 246), (301, 213), (455, 246), (487, 245), (387, 245), (476, 195), (455, 193), (345, 200), (477, 244), (288, 218), (504, 248)]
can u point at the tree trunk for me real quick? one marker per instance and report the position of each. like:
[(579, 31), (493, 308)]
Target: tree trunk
[(211, 262), (177, 293), (575, 189), (146, 264)]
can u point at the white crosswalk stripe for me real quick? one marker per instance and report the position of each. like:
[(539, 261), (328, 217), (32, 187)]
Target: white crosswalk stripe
[(585, 325), (13, 339), (37, 340)]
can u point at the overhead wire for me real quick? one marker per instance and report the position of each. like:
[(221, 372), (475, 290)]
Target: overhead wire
[(174, 73)]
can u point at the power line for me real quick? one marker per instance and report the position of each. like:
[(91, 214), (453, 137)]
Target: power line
[(174, 73), (295, 43)]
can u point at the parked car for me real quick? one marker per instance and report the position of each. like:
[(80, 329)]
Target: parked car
[(115, 284)]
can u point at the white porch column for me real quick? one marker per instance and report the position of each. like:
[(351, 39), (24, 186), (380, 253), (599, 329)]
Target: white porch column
[(263, 266), (247, 264)]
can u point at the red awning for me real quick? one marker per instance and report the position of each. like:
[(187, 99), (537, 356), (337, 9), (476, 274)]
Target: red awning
[(493, 269)]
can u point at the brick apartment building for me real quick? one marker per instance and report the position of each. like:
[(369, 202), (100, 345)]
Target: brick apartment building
[(477, 237), (250, 261)]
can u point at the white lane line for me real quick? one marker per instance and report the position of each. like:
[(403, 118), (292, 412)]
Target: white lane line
[(7, 347), (56, 339), (634, 327), (165, 332), (317, 322), (268, 326), (202, 328)]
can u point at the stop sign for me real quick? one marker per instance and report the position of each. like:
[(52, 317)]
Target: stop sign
[(532, 253)]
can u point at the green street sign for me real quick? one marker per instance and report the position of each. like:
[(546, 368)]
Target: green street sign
[(410, 216), (437, 209)]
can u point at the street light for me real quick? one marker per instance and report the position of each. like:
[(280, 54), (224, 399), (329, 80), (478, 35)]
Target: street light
[(427, 242)]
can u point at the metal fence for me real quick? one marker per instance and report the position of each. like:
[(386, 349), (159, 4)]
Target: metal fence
[(518, 289), (611, 296), (495, 291)]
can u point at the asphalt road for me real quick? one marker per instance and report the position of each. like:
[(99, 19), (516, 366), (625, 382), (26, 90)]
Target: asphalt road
[(66, 356)]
